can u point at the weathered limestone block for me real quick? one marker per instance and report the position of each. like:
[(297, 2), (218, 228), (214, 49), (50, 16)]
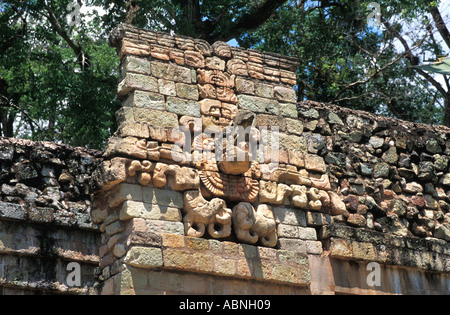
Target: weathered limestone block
[(188, 91), (202, 215), (215, 63), (237, 67), (251, 225), (172, 72), (136, 209), (183, 107), (110, 173), (130, 146), (283, 94), (315, 163), (203, 47), (222, 49), (133, 47), (156, 117), (258, 104), (194, 59), (145, 99), (207, 91), (225, 94), (123, 192), (162, 197), (245, 86), (144, 257), (132, 64)]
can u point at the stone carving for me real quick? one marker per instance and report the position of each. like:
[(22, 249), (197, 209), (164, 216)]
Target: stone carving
[(235, 188), (251, 225), (207, 91), (194, 59), (216, 77), (143, 170), (299, 197), (274, 193), (225, 94), (222, 49), (203, 47), (202, 215), (237, 67), (159, 174)]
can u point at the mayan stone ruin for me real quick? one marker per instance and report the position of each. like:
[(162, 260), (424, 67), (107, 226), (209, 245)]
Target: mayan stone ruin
[(180, 203)]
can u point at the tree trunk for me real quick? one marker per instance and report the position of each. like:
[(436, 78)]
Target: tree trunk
[(447, 110)]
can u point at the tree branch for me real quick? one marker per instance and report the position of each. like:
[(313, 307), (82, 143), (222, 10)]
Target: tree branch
[(440, 24), (83, 59), (413, 59), (256, 17)]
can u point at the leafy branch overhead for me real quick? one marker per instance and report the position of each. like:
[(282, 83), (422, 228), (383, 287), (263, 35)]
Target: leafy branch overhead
[(58, 80)]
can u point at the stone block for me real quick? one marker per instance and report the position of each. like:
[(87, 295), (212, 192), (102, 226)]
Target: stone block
[(294, 126), (187, 91), (172, 72), (315, 163), (145, 100), (317, 219), (156, 117), (165, 227), (215, 63), (291, 142), (291, 216), (293, 231), (293, 245), (133, 209), (173, 240), (12, 211), (283, 94), (167, 87), (288, 110), (144, 257), (341, 248), (245, 86), (123, 192), (133, 129), (162, 197), (177, 258), (183, 107), (135, 81), (194, 59), (136, 65), (258, 104), (264, 90)]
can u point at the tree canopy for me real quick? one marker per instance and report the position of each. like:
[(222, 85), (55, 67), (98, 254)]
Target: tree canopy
[(58, 79)]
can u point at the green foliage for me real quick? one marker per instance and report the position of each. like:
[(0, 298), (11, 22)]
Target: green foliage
[(50, 95), (58, 82), (347, 62)]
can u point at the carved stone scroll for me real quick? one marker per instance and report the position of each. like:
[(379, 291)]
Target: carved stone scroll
[(252, 225), (202, 215)]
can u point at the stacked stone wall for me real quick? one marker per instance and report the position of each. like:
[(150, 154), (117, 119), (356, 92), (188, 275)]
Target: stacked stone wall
[(345, 185), (45, 221)]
